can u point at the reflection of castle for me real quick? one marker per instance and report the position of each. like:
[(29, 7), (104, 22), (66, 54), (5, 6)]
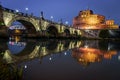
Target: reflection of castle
[(88, 20), (91, 55), (84, 52)]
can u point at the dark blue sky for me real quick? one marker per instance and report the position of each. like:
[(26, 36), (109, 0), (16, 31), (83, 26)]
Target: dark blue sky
[(66, 9)]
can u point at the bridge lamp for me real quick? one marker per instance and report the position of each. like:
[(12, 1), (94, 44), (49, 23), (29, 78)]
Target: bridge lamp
[(51, 18), (66, 22), (26, 9), (17, 10)]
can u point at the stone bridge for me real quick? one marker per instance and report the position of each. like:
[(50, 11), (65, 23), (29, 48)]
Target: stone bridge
[(35, 26)]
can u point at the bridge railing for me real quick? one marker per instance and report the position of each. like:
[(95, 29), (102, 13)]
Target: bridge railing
[(57, 23), (18, 13)]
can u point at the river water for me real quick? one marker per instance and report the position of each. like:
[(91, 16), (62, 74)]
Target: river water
[(48, 59)]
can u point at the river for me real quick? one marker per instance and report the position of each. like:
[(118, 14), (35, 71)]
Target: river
[(53, 59)]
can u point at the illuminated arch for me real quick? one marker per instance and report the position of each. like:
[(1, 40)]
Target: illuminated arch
[(28, 23)]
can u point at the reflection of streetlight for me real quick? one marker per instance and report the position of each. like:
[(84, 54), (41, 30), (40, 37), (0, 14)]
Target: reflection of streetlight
[(50, 58), (119, 57), (86, 46), (25, 66), (65, 53), (17, 10)]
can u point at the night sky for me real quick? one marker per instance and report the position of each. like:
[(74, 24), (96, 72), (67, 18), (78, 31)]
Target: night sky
[(66, 9)]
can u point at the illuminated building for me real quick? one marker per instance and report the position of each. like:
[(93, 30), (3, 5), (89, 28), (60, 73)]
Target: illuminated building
[(111, 24), (86, 19)]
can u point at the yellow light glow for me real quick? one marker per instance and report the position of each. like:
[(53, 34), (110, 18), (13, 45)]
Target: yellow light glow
[(92, 20), (107, 56), (17, 31), (90, 57), (17, 38)]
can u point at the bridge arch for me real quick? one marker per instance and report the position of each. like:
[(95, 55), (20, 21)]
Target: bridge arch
[(30, 50), (67, 32), (75, 33), (28, 23), (21, 48), (52, 31)]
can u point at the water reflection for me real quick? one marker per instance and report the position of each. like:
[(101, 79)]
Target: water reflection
[(72, 54), (84, 52), (87, 54), (15, 45), (18, 51)]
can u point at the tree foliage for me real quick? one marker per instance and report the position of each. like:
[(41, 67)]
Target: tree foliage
[(104, 34)]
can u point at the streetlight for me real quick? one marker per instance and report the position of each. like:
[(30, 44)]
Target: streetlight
[(17, 10), (66, 22), (51, 18), (26, 9)]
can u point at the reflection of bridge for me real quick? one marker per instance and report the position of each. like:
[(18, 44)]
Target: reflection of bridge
[(90, 49), (41, 50), (35, 26), (84, 51)]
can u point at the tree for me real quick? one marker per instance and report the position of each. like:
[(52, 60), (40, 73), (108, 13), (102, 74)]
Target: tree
[(104, 34)]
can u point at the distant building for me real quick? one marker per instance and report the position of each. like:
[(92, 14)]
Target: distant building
[(111, 24), (86, 19), (17, 30)]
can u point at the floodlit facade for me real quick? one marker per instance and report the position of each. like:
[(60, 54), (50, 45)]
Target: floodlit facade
[(86, 19)]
